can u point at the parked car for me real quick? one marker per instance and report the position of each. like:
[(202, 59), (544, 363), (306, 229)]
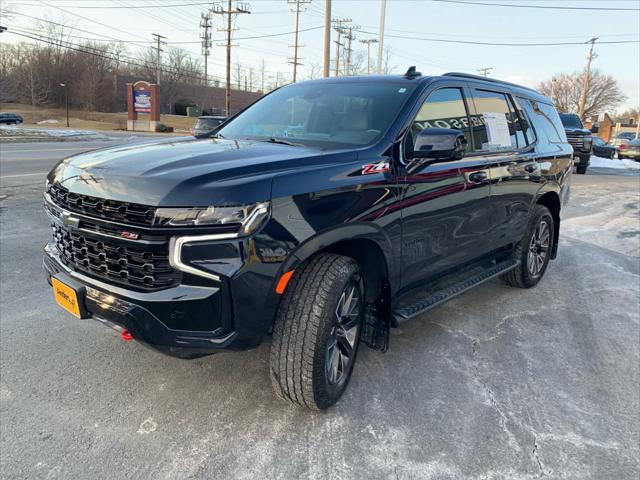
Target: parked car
[(580, 139), (10, 118), (325, 214), (630, 150), (623, 138), (206, 123), (603, 149)]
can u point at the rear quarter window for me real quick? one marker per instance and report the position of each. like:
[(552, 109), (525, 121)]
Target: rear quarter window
[(547, 122)]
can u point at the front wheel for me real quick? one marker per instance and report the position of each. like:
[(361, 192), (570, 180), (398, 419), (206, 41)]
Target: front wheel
[(317, 331), (534, 250)]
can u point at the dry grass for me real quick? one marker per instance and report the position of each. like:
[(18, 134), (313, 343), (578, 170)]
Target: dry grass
[(79, 119)]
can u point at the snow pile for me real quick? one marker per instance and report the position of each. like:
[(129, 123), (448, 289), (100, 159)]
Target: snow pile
[(42, 122), (12, 131), (614, 163)]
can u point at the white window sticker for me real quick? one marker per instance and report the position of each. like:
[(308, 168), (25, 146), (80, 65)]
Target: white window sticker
[(497, 130)]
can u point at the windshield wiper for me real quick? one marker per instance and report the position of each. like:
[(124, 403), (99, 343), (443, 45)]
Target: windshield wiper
[(281, 141)]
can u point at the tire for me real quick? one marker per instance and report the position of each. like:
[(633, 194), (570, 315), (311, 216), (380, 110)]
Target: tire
[(581, 169), (317, 332), (524, 276)]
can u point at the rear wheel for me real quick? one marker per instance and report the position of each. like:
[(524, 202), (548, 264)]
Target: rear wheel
[(317, 331), (534, 250), (581, 169)]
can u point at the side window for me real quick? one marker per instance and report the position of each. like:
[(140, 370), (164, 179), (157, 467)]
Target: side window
[(525, 121), (547, 119), (444, 108), (494, 128)]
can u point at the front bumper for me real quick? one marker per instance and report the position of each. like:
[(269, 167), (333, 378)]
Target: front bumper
[(158, 319)]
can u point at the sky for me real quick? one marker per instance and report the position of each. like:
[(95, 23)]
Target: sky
[(406, 22)]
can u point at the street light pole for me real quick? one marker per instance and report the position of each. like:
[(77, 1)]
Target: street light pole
[(66, 99)]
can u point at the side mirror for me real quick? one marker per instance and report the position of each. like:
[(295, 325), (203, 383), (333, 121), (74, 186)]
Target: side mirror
[(440, 144)]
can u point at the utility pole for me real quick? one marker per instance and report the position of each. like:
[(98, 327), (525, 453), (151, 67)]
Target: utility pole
[(350, 36), (295, 45), (368, 42), (159, 39), (338, 26), (484, 71), (205, 25), (327, 38), (383, 9), (587, 79), (231, 13)]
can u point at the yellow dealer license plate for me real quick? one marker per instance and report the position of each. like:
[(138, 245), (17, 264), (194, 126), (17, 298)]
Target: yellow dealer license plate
[(66, 297)]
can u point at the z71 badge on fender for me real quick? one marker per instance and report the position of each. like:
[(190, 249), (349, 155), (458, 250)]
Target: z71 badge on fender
[(372, 168)]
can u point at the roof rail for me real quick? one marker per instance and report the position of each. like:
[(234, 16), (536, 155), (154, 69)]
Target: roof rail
[(486, 79)]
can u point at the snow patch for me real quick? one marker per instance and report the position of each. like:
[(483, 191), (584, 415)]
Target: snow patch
[(43, 122), (45, 132), (625, 163)]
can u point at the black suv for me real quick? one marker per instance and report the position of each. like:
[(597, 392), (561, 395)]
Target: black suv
[(324, 214), (580, 139)]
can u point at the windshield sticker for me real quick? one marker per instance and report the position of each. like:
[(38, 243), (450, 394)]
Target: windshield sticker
[(372, 168)]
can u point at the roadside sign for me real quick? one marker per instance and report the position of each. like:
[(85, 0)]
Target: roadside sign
[(142, 101)]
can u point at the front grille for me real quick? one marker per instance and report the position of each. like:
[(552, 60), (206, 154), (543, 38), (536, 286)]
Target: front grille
[(111, 210), (140, 267)]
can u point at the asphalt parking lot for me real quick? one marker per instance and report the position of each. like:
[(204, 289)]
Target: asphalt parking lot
[(499, 383)]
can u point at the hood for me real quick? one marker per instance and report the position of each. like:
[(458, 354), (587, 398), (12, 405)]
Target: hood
[(185, 172), (577, 131)]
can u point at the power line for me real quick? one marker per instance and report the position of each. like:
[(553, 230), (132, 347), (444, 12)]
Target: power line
[(83, 49), (484, 71), (546, 7), (498, 44), (73, 28), (90, 19)]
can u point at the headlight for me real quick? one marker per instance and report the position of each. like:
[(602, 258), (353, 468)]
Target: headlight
[(247, 217)]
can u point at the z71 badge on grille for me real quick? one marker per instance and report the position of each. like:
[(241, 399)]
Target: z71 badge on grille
[(130, 235)]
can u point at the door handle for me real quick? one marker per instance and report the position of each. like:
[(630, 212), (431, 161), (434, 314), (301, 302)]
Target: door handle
[(530, 168), (477, 177)]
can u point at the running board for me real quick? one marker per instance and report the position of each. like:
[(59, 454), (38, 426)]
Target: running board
[(406, 312)]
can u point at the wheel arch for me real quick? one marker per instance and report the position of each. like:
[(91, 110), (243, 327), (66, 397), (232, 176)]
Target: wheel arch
[(365, 243)]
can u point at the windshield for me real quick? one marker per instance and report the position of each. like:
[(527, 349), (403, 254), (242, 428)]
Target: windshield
[(327, 115), (627, 135), (570, 120)]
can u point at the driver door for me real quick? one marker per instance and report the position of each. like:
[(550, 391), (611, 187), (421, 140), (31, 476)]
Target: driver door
[(445, 215)]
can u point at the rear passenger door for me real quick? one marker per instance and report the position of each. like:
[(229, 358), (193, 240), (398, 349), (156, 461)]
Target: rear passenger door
[(498, 138)]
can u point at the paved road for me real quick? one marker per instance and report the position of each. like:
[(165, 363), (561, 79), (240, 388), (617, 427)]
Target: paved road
[(499, 383)]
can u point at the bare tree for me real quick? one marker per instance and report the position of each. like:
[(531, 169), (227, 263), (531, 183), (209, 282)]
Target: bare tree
[(238, 75), (314, 71), (565, 89)]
